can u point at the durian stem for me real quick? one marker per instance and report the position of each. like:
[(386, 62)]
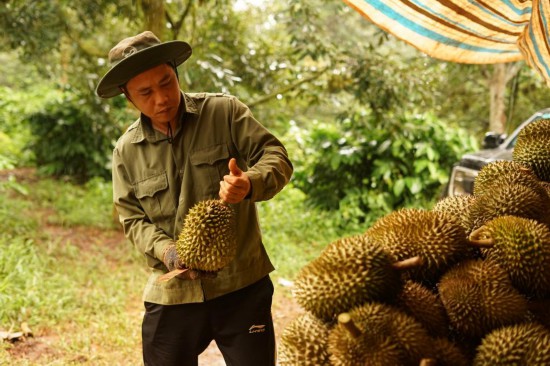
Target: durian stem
[(347, 322), (408, 263), (481, 243), (428, 362), (168, 276)]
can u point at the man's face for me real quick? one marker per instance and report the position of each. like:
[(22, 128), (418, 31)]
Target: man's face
[(156, 93)]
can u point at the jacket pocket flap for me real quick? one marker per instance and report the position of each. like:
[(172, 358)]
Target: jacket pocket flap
[(151, 185), (209, 155)]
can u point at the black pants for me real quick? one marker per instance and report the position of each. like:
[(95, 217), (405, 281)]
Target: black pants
[(239, 322)]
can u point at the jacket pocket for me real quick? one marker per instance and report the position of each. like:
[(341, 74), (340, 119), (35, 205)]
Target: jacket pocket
[(155, 198), (209, 167)]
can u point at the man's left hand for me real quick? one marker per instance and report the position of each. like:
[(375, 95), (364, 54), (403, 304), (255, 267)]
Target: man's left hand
[(235, 186)]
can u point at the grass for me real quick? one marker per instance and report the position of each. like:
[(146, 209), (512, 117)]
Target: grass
[(68, 273)]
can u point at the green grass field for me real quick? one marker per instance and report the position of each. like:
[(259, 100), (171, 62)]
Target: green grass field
[(67, 271)]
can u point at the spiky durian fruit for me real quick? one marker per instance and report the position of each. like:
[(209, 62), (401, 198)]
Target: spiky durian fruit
[(435, 237), (425, 306), (513, 199), (447, 353), (208, 240), (520, 344), (457, 207), (347, 273), (304, 342), (522, 248), (532, 150), (503, 172), (479, 297), (378, 334)]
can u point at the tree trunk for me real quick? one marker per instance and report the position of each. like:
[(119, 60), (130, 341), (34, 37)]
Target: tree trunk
[(502, 74), (154, 17)]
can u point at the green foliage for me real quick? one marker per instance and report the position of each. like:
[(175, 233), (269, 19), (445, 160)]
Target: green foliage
[(366, 167), (89, 204), (72, 137)]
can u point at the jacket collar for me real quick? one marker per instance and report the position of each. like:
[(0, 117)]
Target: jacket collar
[(144, 129)]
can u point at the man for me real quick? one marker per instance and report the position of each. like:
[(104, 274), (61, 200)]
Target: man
[(183, 149)]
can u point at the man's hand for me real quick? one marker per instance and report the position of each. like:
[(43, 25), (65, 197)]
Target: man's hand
[(235, 186), (173, 263)]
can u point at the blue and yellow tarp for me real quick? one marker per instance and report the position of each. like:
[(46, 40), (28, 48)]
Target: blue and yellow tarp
[(468, 31)]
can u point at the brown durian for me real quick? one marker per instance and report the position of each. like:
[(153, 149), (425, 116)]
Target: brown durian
[(479, 297), (425, 306), (347, 273), (502, 173), (378, 334), (520, 344), (304, 342), (433, 236), (457, 207)]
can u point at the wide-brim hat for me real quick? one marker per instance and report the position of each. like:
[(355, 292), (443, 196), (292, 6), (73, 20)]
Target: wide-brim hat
[(137, 54)]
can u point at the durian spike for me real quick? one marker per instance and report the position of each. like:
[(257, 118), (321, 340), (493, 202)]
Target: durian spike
[(428, 362), (168, 276), (476, 240), (408, 263), (347, 322)]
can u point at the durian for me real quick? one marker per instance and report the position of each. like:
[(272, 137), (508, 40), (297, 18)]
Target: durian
[(522, 248), (456, 207), (425, 306), (304, 342), (520, 344), (478, 297), (501, 173), (433, 236), (347, 273), (447, 353), (208, 240), (532, 148), (513, 199), (378, 334)]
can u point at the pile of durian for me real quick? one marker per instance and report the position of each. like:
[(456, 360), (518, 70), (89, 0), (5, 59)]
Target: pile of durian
[(466, 282)]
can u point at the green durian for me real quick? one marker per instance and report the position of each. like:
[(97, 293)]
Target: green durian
[(347, 273), (208, 240), (522, 248), (520, 344), (478, 297), (304, 342), (532, 148)]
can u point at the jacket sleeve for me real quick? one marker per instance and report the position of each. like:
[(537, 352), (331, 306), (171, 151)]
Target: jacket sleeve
[(269, 167), (148, 239)]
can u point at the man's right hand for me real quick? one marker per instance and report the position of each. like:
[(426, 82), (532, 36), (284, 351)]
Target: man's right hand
[(172, 262)]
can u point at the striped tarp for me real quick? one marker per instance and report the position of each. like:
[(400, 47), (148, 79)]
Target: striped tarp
[(468, 31)]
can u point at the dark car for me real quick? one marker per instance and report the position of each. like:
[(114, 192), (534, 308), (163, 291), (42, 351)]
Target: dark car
[(495, 147)]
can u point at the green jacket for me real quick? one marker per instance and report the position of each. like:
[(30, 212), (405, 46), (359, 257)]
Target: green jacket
[(156, 182)]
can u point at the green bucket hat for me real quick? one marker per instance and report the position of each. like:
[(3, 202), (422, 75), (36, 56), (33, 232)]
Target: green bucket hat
[(137, 54)]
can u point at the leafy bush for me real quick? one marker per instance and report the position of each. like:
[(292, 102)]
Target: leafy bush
[(365, 167), (73, 137)]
